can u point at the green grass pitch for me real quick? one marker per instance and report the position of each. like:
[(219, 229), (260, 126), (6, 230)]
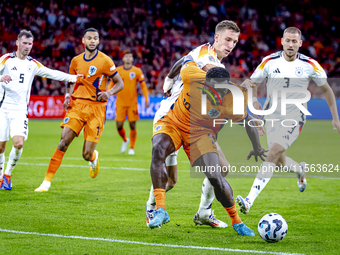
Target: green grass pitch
[(111, 207)]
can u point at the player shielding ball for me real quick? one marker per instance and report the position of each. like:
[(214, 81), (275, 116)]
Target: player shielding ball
[(88, 107), (17, 71), (185, 125), (286, 70), (206, 56)]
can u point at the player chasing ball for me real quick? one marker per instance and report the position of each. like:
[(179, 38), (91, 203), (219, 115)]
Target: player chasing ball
[(88, 107), (184, 125), (286, 70), (206, 56)]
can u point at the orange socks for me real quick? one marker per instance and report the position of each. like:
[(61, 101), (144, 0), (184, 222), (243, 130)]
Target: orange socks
[(133, 138), (233, 215), (122, 134), (159, 198), (55, 162)]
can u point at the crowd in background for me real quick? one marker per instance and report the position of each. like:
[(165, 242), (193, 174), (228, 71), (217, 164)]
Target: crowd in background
[(161, 32)]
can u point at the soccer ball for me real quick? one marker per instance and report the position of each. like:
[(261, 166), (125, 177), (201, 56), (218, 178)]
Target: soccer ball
[(272, 227)]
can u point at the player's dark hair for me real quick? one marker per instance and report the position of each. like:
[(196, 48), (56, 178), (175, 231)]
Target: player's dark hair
[(227, 24), (217, 73), (128, 52), (292, 30), (91, 29), (26, 33)]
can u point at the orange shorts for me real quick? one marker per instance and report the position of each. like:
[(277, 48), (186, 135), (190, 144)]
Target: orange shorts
[(130, 111), (196, 143), (87, 114)]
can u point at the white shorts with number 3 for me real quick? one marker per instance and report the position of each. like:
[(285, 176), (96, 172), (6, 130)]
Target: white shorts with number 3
[(284, 133)]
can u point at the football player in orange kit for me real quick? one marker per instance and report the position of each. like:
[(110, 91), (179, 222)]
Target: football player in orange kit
[(185, 125), (126, 104), (88, 107)]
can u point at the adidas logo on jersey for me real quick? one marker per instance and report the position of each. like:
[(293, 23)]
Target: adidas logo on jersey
[(276, 70), (14, 68)]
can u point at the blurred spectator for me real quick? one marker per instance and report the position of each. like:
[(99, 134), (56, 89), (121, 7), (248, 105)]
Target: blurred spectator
[(161, 32)]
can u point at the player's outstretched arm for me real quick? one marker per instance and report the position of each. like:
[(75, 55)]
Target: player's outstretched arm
[(330, 99), (56, 75), (119, 85), (258, 150)]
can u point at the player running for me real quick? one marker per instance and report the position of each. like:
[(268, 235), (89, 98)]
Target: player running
[(17, 71), (88, 107), (286, 70), (126, 102)]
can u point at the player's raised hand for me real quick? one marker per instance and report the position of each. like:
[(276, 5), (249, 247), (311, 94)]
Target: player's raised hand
[(146, 104), (80, 76), (6, 78), (248, 84), (336, 125), (261, 152)]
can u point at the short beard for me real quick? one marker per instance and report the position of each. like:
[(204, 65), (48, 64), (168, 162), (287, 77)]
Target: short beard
[(90, 49)]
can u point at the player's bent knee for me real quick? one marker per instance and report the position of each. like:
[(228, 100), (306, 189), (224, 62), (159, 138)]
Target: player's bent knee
[(162, 146), (18, 146)]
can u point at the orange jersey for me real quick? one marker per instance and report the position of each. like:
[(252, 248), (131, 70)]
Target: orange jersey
[(128, 95), (95, 71), (186, 111)]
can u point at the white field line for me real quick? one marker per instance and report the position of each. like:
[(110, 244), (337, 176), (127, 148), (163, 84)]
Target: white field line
[(148, 169), (150, 244)]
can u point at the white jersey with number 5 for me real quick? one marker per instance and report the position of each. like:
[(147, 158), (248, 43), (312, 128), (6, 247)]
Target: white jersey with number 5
[(202, 55), (286, 75), (15, 94)]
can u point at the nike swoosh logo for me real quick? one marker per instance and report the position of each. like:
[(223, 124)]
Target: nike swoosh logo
[(189, 95)]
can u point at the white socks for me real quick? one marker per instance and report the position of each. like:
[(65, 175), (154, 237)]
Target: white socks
[(2, 164), (151, 204), (14, 156), (207, 198), (261, 180), (292, 165)]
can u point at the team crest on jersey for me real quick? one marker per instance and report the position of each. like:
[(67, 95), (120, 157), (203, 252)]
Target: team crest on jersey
[(214, 113), (211, 59), (132, 75), (299, 71), (66, 119), (158, 128), (92, 70)]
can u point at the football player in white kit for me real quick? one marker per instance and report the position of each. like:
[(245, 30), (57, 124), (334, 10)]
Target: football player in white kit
[(206, 57), (17, 71), (286, 70)]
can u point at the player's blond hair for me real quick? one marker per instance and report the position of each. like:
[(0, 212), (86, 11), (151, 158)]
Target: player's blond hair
[(227, 24), (292, 30), (26, 33)]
